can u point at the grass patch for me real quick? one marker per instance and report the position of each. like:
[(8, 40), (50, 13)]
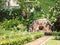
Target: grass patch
[(52, 41)]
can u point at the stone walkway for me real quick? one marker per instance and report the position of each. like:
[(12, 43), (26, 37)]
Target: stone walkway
[(38, 41)]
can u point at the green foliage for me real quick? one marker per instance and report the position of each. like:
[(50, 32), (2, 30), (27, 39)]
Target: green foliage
[(2, 2), (10, 14), (10, 23), (22, 40), (38, 35), (2, 14), (55, 33), (43, 9), (1, 32), (21, 27), (28, 39), (14, 13)]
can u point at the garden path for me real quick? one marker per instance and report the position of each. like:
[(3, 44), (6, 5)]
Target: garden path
[(38, 41)]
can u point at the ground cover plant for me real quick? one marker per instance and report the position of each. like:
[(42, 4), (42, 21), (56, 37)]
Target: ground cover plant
[(19, 38)]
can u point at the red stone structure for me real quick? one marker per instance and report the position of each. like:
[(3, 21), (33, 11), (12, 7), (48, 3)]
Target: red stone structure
[(40, 25)]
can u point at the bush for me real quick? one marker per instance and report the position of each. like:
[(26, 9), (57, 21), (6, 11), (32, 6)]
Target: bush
[(38, 35), (13, 24), (22, 40), (1, 32), (57, 37), (21, 27), (48, 33), (56, 34), (27, 39), (10, 23)]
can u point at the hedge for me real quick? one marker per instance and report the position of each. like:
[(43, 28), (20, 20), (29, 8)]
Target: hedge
[(22, 40)]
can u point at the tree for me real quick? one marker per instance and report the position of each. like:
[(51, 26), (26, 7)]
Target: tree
[(57, 15), (43, 9), (2, 4)]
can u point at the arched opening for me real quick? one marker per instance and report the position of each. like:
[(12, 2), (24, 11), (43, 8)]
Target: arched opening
[(41, 27)]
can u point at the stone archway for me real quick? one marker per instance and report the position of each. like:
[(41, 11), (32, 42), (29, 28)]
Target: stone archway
[(41, 25)]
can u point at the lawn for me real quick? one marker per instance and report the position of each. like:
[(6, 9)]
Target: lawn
[(52, 41)]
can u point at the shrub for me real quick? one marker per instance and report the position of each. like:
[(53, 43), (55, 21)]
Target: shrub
[(1, 32), (10, 23), (28, 39), (13, 24), (21, 27), (38, 35), (57, 37), (22, 40), (48, 33), (56, 34)]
